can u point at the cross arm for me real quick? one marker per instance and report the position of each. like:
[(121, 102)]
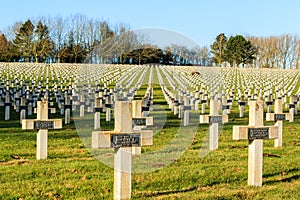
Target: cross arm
[(30, 124), (102, 139), (142, 121), (208, 119), (277, 116), (254, 132)]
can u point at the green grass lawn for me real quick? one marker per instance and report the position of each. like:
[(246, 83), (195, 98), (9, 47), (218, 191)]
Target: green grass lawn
[(72, 172)]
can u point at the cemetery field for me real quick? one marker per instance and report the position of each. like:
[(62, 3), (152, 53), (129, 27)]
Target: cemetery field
[(72, 169)]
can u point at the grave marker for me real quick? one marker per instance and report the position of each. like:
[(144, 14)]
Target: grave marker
[(255, 132), (225, 106), (292, 111), (23, 108), (180, 107), (42, 123), (241, 104), (213, 119), (203, 103), (294, 100), (139, 122), (67, 108), (186, 109), (108, 106), (122, 138), (97, 110), (7, 106), (82, 105), (278, 116)]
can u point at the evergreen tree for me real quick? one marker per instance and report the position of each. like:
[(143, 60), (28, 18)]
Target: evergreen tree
[(239, 51), (42, 44), (218, 48), (23, 41)]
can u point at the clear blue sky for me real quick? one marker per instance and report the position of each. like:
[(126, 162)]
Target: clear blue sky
[(201, 20)]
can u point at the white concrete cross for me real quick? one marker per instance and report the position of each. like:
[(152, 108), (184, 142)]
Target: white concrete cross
[(293, 107), (23, 108), (186, 109), (213, 119), (17, 100), (269, 103), (225, 106), (203, 103), (278, 116), (147, 102), (42, 123), (242, 104), (175, 103), (67, 108), (108, 106), (122, 138), (7, 106), (180, 107), (30, 104), (82, 105), (139, 122), (294, 100), (97, 110), (255, 132)]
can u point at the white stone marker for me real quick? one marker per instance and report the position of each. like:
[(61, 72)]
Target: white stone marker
[(255, 132), (203, 103), (67, 107), (225, 106), (122, 138), (146, 107), (97, 110), (213, 119), (242, 104), (29, 108), (82, 105), (176, 106), (23, 108), (269, 103), (139, 122), (196, 103), (278, 116), (108, 107), (294, 100), (7, 106), (292, 111), (42, 123), (186, 115)]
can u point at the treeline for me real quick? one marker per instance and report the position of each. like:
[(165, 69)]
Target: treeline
[(78, 39), (277, 51), (54, 39), (259, 52)]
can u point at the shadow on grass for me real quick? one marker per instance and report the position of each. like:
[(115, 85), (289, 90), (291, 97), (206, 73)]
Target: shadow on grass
[(290, 179), (150, 194), (280, 173), (167, 192), (10, 124)]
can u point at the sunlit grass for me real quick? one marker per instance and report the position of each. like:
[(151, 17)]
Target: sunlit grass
[(72, 172)]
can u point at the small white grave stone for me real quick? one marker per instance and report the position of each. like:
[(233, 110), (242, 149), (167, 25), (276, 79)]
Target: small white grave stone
[(42, 123), (122, 138), (278, 116), (214, 119), (255, 132)]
